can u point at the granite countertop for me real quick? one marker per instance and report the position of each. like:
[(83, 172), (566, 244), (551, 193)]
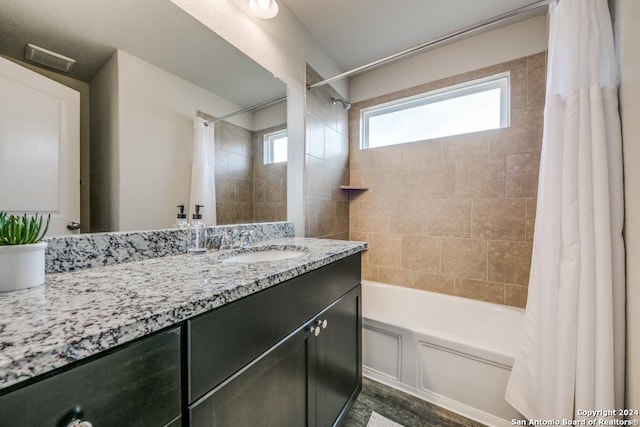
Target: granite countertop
[(79, 314)]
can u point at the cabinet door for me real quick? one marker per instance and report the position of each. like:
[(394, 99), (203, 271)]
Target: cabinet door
[(338, 372), (271, 392)]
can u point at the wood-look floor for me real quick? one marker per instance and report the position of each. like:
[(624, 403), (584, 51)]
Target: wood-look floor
[(401, 408)]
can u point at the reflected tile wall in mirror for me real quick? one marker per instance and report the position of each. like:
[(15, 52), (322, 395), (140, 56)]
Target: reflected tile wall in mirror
[(247, 190), (270, 182)]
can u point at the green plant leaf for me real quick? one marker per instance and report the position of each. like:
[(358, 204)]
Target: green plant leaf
[(46, 228), (22, 230)]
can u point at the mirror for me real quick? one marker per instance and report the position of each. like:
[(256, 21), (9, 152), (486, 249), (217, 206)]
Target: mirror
[(145, 70)]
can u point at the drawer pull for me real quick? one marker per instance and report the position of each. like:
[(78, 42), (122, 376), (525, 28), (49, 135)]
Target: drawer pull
[(79, 423), (319, 326)]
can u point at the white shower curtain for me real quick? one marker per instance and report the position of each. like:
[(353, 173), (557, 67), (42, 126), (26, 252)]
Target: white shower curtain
[(571, 356), (203, 183)]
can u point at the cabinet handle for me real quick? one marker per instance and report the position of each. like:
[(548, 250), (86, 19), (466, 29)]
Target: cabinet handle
[(79, 423), (319, 326)]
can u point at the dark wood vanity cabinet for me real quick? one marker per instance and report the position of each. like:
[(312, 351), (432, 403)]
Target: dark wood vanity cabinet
[(309, 379), (308, 371), (289, 355)]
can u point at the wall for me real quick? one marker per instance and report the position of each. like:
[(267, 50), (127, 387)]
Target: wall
[(271, 116), (105, 175), (626, 15), (513, 41), (270, 181), (454, 215), (326, 164), (156, 116), (147, 141)]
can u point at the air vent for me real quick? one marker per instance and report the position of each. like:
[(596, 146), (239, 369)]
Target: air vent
[(50, 59)]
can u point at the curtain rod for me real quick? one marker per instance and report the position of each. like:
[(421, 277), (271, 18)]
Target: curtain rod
[(246, 110), (436, 42)]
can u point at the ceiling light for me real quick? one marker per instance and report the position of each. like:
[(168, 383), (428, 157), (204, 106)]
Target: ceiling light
[(265, 9)]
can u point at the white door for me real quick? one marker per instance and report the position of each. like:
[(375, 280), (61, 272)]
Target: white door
[(39, 146)]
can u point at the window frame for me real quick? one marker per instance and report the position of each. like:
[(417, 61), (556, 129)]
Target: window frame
[(500, 81), (268, 142)]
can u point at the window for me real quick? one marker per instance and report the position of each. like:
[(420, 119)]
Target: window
[(275, 147), (469, 107)]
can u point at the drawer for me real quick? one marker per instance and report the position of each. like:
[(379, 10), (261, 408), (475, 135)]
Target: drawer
[(226, 339), (138, 385)]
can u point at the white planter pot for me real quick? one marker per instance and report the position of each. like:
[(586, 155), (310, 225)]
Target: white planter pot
[(21, 266)]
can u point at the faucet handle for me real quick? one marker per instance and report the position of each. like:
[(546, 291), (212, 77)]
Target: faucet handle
[(243, 238), (225, 240)]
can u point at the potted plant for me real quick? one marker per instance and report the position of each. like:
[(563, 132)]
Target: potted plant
[(21, 251)]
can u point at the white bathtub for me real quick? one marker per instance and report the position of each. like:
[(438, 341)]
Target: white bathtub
[(451, 351)]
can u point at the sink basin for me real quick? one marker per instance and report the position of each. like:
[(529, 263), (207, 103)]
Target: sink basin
[(263, 256)]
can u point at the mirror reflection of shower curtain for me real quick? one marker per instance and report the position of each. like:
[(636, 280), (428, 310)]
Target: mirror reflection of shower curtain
[(203, 183)]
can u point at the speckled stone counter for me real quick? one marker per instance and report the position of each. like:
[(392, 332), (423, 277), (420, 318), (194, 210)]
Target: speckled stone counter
[(81, 313), (75, 252)]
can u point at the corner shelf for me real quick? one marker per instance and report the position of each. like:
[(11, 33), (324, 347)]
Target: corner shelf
[(353, 188)]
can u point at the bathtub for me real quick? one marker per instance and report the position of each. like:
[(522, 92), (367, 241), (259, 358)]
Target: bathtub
[(454, 352)]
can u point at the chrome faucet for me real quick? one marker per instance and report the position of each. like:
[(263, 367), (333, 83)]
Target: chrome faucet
[(228, 241), (243, 239)]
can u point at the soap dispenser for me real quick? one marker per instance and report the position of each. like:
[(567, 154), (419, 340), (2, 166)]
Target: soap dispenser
[(198, 244), (181, 221)]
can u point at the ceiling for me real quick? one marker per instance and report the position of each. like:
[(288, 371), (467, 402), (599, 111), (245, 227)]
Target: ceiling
[(156, 31), (357, 32), (352, 33)]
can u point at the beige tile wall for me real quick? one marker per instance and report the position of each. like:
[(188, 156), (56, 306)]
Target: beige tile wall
[(326, 164), (234, 174), (454, 215), (270, 182), (247, 190)]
